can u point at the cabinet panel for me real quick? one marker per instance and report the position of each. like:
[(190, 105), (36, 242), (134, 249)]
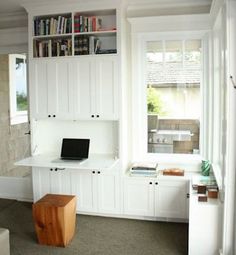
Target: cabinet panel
[(59, 89), (107, 88), (38, 89), (138, 197), (83, 83), (83, 186), (51, 93), (108, 193), (170, 199), (47, 181), (205, 226)]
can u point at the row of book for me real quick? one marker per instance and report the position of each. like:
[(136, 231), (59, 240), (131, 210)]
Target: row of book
[(144, 169), (87, 24), (53, 48), (85, 45), (58, 25)]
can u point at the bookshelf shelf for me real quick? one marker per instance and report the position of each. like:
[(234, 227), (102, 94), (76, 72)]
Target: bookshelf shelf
[(51, 36), (75, 33), (105, 33)]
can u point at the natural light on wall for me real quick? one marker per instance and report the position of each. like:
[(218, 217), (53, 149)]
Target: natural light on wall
[(18, 88), (173, 78)]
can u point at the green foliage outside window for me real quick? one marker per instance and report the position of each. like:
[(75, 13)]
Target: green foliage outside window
[(22, 104), (154, 102)]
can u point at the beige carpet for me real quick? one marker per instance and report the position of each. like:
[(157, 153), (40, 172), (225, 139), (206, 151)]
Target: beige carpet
[(95, 235)]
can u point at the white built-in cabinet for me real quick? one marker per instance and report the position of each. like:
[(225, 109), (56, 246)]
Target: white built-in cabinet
[(74, 89), (50, 89), (95, 88), (155, 198), (205, 225), (96, 191)]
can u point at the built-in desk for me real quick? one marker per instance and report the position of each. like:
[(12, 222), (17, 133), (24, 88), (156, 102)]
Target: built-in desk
[(95, 162), (95, 182)]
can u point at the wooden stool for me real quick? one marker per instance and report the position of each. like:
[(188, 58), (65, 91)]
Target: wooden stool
[(54, 219)]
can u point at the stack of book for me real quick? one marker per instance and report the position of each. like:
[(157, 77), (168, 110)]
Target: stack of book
[(53, 48), (86, 24), (85, 45), (51, 26), (144, 169)]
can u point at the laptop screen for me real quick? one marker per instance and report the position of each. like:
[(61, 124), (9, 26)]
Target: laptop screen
[(75, 148)]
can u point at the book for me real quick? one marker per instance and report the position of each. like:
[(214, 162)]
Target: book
[(144, 166)]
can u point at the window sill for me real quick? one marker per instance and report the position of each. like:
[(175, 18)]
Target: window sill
[(189, 162), (218, 175), (19, 119)]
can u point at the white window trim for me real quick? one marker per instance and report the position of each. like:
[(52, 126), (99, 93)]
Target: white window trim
[(16, 117), (139, 123)]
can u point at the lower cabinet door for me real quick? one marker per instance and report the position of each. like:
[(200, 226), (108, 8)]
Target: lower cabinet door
[(108, 193), (84, 185), (171, 199), (138, 197), (50, 180)]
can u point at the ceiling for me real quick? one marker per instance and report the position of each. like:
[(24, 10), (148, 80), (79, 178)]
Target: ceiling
[(8, 6), (13, 15)]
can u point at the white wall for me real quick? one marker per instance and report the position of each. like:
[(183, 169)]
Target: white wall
[(13, 40), (48, 135)]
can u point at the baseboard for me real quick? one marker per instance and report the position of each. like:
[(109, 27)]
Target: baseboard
[(19, 188), (134, 217)]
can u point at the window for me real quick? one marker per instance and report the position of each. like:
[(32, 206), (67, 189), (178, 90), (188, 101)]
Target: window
[(18, 88), (173, 78)]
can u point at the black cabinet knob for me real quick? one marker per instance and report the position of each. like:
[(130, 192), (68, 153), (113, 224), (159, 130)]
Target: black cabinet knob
[(97, 116), (150, 183), (92, 116), (50, 169), (156, 183), (99, 172), (54, 115), (55, 169), (49, 116), (93, 172)]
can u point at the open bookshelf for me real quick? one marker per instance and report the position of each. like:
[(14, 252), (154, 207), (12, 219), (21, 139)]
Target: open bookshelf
[(75, 33)]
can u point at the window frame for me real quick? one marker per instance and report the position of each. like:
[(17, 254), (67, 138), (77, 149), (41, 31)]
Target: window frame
[(16, 117), (139, 123)]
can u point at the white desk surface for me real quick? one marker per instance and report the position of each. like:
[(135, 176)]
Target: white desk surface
[(95, 161)]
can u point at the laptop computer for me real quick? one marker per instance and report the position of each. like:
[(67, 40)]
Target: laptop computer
[(74, 149)]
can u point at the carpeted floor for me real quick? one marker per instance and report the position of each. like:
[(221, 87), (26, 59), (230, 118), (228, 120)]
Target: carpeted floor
[(95, 235)]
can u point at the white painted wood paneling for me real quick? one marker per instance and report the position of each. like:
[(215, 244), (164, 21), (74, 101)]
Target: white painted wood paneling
[(138, 197), (170, 199)]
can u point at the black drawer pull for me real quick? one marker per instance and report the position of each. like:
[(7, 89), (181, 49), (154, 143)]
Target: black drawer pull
[(150, 183), (99, 172), (54, 115), (93, 172), (49, 116), (156, 183)]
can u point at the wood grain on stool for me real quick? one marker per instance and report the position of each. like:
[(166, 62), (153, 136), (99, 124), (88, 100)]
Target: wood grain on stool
[(54, 218)]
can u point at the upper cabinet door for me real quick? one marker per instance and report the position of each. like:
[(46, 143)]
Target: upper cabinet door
[(83, 78), (59, 89), (51, 92), (107, 92), (38, 89)]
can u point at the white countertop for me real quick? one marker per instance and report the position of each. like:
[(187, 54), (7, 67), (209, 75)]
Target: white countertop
[(173, 132), (95, 162)]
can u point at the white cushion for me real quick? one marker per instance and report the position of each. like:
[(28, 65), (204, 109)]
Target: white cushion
[(4, 242)]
